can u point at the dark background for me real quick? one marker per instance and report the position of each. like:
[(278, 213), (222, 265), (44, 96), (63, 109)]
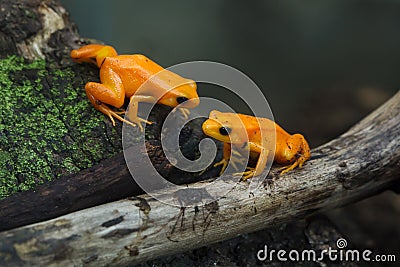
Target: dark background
[(323, 65)]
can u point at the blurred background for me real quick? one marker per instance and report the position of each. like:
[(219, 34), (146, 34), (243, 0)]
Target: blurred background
[(323, 65)]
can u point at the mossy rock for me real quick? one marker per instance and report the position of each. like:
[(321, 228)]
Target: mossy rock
[(48, 128)]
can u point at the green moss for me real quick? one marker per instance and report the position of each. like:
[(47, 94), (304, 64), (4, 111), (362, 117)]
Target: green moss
[(69, 165), (48, 128)]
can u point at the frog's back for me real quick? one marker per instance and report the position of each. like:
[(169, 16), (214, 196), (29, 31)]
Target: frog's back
[(254, 124), (134, 63)]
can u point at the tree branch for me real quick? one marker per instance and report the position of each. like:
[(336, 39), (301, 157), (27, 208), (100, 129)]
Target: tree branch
[(363, 161)]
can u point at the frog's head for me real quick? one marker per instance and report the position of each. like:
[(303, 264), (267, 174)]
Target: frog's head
[(225, 127), (184, 95)]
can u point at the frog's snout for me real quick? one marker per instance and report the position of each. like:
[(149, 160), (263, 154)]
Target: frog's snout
[(210, 126)]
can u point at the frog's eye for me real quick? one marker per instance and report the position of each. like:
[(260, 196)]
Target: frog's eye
[(225, 130), (181, 99)]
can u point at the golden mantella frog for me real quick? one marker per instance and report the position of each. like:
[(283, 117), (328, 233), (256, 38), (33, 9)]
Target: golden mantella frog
[(122, 75), (291, 150)]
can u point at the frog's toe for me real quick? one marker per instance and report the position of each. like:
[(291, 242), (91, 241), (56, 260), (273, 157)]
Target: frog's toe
[(138, 121), (289, 168), (120, 112), (236, 160), (111, 119), (235, 152), (246, 174), (185, 112), (224, 164)]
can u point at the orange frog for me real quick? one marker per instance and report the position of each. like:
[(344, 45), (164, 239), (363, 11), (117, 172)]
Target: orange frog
[(122, 75), (244, 132)]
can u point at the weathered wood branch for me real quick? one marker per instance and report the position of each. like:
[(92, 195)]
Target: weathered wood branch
[(360, 163), (110, 180)]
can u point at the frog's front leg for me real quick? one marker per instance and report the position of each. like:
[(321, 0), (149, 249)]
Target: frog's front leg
[(132, 113), (235, 158), (261, 162), (225, 158), (296, 152)]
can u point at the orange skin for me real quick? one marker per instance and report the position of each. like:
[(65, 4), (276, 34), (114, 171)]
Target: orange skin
[(135, 77), (244, 132)]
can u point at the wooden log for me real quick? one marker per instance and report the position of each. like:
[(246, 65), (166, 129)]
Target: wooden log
[(108, 181), (316, 233), (363, 161)]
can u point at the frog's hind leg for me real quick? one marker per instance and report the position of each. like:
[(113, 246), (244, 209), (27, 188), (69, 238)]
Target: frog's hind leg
[(105, 109), (93, 53), (111, 92), (297, 152)]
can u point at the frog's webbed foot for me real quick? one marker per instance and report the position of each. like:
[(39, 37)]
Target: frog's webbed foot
[(246, 174)]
